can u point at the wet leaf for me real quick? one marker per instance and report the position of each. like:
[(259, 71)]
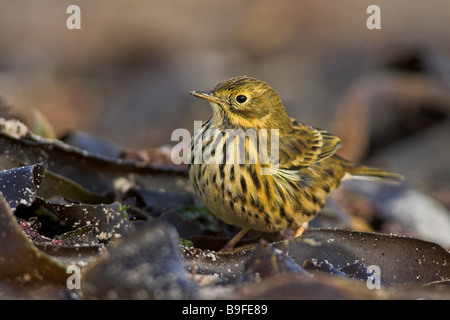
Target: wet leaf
[(321, 265), (93, 172), (355, 270), (79, 237), (57, 186), (93, 145), (155, 202), (401, 260), (266, 261), (19, 258), (227, 266), (18, 185), (77, 254), (107, 221), (52, 185), (145, 265)]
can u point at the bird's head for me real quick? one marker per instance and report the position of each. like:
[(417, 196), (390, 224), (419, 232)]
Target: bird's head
[(244, 102)]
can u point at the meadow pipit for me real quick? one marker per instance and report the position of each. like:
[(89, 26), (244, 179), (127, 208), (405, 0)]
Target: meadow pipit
[(302, 171)]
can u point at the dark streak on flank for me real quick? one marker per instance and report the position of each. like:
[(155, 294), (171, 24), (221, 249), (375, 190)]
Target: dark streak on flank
[(222, 187), (309, 213), (267, 190), (280, 193), (243, 185), (255, 179), (241, 196), (222, 170), (267, 219), (224, 152), (282, 212)]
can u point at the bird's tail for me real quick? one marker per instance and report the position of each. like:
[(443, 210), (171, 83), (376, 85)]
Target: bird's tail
[(357, 171)]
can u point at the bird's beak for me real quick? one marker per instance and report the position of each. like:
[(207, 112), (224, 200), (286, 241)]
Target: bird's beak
[(205, 95)]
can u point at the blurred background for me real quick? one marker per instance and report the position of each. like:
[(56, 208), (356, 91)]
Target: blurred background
[(126, 74)]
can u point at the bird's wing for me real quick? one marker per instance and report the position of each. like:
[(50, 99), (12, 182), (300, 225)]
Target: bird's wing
[(305, 145)]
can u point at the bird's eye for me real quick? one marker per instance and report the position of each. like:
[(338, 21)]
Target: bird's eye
[(241, 98)]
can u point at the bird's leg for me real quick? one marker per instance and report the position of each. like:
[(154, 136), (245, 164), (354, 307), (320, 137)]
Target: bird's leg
[(301, 229), (230, 244)]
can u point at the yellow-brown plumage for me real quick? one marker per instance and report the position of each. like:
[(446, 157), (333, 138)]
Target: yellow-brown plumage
[(298, 186)]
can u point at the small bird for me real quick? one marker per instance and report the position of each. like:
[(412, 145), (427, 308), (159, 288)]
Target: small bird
[(303, 170)]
